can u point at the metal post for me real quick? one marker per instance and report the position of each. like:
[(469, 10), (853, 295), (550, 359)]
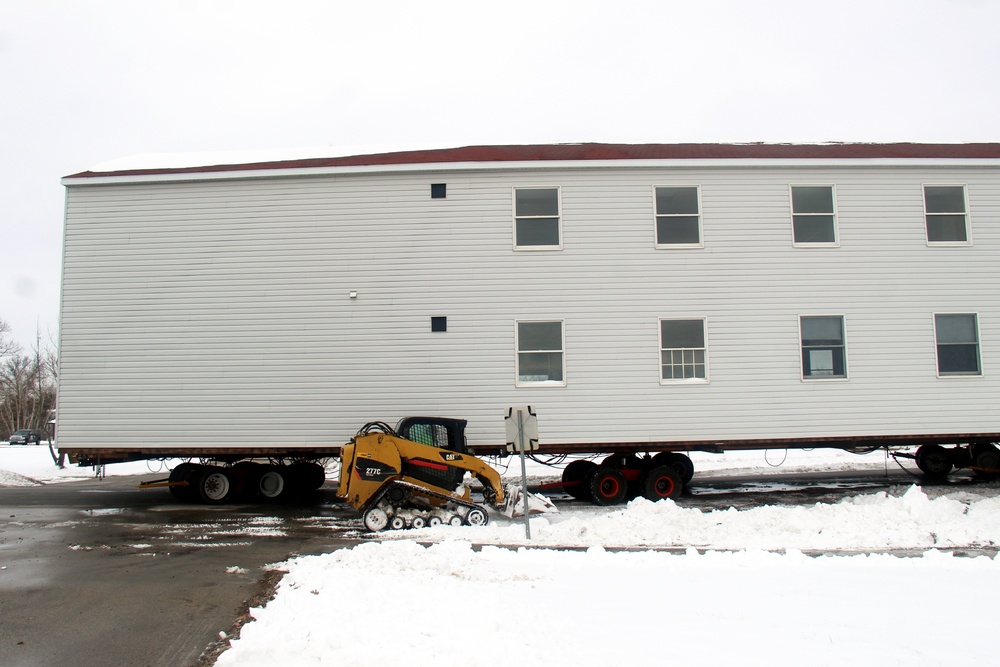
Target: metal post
[(524, 473)]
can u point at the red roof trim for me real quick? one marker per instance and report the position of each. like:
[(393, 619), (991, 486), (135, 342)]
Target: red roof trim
[(584, 152)]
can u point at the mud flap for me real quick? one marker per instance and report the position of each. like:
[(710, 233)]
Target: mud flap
[(513, 502)]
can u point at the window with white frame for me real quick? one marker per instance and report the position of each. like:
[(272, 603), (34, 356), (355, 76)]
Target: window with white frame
[(536, 218), (683, 353), (540, 357), (814, 216), (946, 214), (678, 216), (823, 350), (957, 337)]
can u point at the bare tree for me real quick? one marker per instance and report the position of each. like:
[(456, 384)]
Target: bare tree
[(7, 344), (27, 388)]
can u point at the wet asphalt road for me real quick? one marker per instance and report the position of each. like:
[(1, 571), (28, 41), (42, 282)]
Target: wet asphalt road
[(102, 573)]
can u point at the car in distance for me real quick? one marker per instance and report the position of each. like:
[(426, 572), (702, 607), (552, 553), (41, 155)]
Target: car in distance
[(24, 436)]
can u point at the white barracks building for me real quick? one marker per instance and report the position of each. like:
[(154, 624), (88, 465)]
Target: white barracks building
[(701, 295)]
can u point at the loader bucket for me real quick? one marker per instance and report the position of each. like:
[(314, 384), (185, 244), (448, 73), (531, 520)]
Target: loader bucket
[(513, 502)]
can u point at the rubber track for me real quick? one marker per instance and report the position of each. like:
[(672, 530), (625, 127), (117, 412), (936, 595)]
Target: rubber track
[(411, 487)]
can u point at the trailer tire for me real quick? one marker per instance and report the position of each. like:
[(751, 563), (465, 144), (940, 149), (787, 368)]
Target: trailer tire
[(661, 482), (934, 461), (308, 476), (607, 486), (273, 483), (180, 473), (622, 461), (680, 462), (214, 485), (985, 455), (574, 478)]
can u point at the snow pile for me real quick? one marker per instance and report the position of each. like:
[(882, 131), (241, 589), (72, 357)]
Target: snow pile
[(860, 523), (447, 604), (14, 479)]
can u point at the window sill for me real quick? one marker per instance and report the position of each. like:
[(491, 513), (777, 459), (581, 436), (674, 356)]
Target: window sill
[(690, 381), (817, 244)]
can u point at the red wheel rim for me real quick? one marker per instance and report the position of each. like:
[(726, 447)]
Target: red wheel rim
[(609, 487), (664, 486)]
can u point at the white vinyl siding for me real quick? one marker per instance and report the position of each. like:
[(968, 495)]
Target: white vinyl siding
[(217, 312)]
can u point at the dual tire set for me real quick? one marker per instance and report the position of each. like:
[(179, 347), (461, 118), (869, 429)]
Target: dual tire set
[(623, 477), (937, 462), (245, 481)]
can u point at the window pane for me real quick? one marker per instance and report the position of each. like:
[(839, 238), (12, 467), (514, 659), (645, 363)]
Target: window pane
[(820, 362), (823, 362), (812, 199), (537, 201), (677, 230), (958, 359), (540, 367), (538, 232), (682, 333), (956, 328), (813, 229), (944, 199), (946, 228), (822, 330), (539, 336), (677, 201)]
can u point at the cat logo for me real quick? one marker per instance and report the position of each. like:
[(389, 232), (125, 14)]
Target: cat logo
[(448, 456)]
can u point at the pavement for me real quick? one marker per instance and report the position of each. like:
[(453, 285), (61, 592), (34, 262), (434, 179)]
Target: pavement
[(101, 573)]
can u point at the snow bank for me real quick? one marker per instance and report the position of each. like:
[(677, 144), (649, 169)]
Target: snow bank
[(869, 522), (447, 604)]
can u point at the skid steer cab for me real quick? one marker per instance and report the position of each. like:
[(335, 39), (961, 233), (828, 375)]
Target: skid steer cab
[(413, 475)]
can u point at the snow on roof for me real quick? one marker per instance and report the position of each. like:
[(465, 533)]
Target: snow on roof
[(200, 163)]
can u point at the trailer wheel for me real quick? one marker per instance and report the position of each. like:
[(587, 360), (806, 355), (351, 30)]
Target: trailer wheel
[(375, 519), (273, 482), (214, 485), (620, 461), (679, 462), (985, 455), (934, 461), (574, 478), (477, 517), (180, 474), (607, 486), (661, 482), (308, 476)]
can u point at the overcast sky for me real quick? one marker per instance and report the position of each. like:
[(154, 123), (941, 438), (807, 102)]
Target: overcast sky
[(86, 82)]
